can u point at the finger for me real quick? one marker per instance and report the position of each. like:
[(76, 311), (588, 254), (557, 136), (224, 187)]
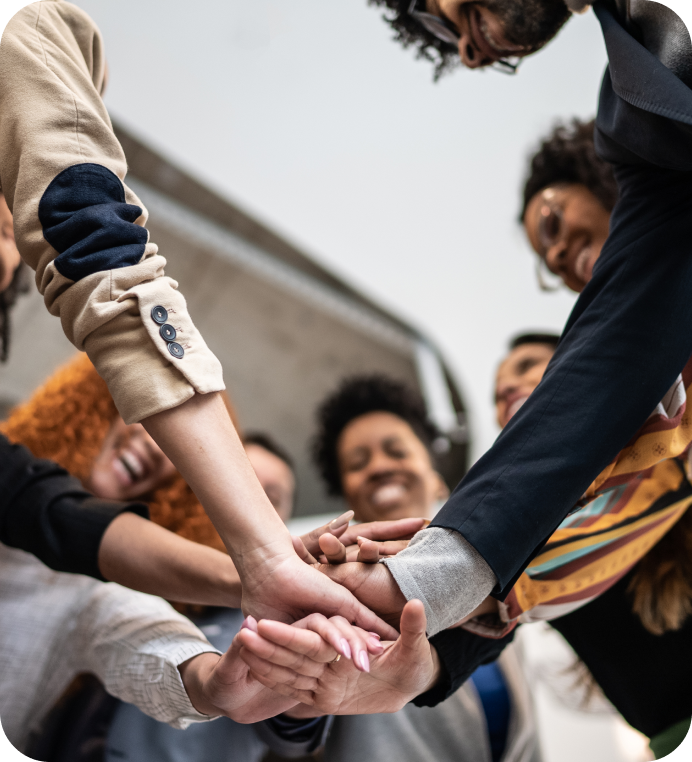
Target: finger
[(413, 625), (353, 641), (302, 551), (315, 637), (375, 585), (304, 697), (250, 623), (336, 527), (368, 551), (274, 676), (401, 529), (296, 652), (333, 549), (371, 552)]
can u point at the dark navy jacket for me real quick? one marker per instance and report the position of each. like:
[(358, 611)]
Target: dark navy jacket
[(627, 339)]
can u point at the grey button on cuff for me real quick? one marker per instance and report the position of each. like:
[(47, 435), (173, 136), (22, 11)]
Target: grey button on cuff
[(159, 315)]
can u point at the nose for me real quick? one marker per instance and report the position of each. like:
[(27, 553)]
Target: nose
[(555, 257), (380, 463), (470, 56)]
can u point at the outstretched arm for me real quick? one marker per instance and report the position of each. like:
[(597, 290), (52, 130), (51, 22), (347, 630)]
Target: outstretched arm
[(80, 227)]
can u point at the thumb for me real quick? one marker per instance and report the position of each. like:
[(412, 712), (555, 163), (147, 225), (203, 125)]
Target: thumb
[(302, 552), (413, 625)]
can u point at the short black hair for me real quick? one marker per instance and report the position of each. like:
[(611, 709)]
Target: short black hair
[(358, 396), (551, 339), (267, 443), (8, 297), (529, 22), (568, 155)]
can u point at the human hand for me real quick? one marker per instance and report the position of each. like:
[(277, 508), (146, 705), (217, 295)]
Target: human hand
[(373, 585), (367, 551), (224, 685), (403, 670), (284, 588), (401, 529)]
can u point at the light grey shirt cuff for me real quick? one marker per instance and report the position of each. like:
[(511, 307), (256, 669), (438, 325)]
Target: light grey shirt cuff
[(441, 569)]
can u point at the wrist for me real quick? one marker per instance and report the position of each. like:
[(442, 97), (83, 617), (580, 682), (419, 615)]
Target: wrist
[(196, 674), (436, 670)]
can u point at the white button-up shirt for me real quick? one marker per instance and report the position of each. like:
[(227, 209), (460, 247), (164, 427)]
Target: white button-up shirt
[(55, 626)]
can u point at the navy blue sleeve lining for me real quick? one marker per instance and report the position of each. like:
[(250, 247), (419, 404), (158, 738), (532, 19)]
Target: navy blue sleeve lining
[(86, 220)]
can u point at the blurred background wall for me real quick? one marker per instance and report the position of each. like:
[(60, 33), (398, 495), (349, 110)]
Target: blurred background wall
[(286, 330)]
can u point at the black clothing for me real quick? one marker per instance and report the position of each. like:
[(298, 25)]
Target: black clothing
[(646, 677), (627, 338), (461, 653), (46, 512)]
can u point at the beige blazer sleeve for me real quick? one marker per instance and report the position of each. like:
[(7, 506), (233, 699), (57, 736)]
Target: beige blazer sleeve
[(79, 226)]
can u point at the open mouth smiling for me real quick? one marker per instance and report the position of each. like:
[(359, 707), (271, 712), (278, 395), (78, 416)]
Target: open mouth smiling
[(484, 40)]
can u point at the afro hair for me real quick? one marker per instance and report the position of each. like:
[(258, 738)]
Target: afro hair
[(358, 396)]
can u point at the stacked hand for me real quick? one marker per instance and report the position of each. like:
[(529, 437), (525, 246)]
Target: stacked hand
[(280, 586), (400, 671), (224, 685)]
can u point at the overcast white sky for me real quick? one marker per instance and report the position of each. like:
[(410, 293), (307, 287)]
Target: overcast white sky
[(306, 114)]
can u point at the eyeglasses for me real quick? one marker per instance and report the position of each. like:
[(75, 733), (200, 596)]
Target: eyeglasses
[(549, 231), (445, 31)]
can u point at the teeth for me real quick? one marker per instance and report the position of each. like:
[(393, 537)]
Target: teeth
[(132, 464), (494, 44), (514, 407), (388, 494), (581, 263), (487, 36)]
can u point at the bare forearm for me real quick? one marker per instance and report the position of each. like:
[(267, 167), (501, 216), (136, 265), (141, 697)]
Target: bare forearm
[(200, 439), (144, 556)]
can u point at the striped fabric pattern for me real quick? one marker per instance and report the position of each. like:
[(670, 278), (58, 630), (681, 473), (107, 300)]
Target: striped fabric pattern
[(594, 547), (624, 513)]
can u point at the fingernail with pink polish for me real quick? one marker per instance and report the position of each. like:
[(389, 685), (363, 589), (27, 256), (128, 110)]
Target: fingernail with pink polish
[(364, 661), (345, 648), (374, 635)]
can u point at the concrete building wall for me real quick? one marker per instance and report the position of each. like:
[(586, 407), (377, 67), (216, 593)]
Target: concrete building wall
[(286, 330)]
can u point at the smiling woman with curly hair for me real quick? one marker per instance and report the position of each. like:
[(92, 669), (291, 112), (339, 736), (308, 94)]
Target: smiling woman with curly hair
[(72, 420)]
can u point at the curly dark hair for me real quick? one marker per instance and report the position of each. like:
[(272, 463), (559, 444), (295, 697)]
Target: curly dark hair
[(358, 396), (568, 155), (526, 22), (18, 286)]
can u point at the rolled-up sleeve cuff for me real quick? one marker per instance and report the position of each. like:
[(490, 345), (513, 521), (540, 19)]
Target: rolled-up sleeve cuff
[(173, 704), (442, 570)]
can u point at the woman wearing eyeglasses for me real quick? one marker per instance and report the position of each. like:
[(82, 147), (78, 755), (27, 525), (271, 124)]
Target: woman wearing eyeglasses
[(568, 198)]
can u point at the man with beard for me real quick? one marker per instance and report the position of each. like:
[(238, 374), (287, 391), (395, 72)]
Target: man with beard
[(626, 340)]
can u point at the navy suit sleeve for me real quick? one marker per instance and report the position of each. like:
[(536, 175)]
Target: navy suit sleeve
[(460, 653), (46, 512), (625, 342)]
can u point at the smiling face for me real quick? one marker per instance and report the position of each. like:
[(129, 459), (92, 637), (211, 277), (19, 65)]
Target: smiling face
[(130, 464), (518, 375), (482, 38), (567, 227), (9, 255), (386, 471), (490, 30)]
